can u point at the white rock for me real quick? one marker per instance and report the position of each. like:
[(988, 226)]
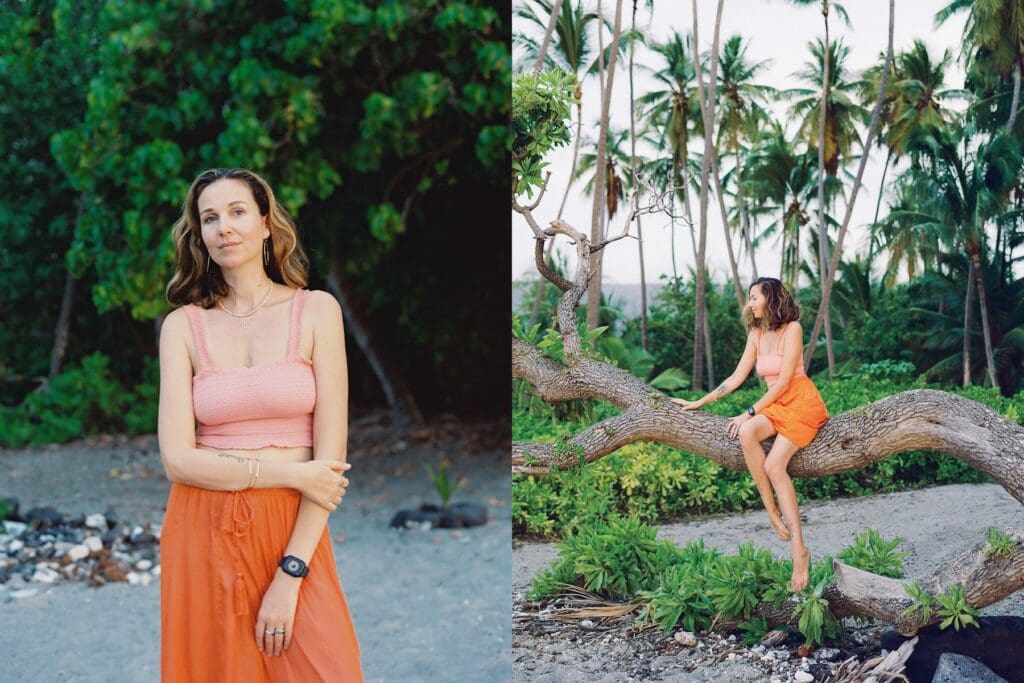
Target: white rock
[(803, 677), (14, 528), (145, 579), (776, 680), (156, 570), (45, 575), (78, 552), (96, 521), (134, 578), (24, 593), (732, 639), (685, 638), (587, 623), (93, 543), (16, 545), (144, 565)]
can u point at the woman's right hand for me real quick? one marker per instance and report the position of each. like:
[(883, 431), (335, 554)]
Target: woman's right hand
[(323, 482), (687, 405)]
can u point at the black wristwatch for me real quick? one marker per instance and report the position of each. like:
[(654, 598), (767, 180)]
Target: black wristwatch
[(294, 566), (751, 411)]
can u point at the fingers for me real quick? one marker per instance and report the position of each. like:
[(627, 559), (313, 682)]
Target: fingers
[(272, 640), (260, 625)]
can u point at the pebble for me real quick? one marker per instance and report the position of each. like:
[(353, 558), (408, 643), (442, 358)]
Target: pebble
[(685, 638), (78, 552), (96, 521), (144, 565), (23, 593), (15, 546), (93, 543), (14, 528), (45, 575), (803, 677)]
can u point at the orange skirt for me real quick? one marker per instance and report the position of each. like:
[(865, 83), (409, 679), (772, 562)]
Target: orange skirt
[(219, 551), (799, 412)]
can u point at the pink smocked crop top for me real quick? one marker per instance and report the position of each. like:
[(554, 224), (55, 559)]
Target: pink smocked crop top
[(769, 365), (269, 404)]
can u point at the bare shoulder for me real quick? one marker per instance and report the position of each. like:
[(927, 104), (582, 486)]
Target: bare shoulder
[(795, 330), (175, 325), (322, 305)]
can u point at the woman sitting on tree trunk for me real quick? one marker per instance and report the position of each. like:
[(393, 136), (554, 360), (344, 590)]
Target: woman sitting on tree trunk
[(791, 410)]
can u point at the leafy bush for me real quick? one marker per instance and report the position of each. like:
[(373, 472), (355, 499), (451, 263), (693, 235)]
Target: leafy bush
[(999, 543), (874, 554)]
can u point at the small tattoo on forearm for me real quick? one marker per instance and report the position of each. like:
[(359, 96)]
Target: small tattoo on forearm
[(722, 389), (232, 457)]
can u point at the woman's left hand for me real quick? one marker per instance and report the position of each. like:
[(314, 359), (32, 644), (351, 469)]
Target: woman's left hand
[(734, 424), (276, 612)]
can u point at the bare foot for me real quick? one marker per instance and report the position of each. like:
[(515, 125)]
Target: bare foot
[(781, 528), (801, 565)]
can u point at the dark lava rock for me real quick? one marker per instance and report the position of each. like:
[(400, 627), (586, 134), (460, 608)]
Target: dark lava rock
[(417, 516), (464, 515), (45, 516), (998, 644)]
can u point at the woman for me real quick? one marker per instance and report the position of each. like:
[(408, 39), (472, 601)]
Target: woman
[(249, 589), (791, 410)]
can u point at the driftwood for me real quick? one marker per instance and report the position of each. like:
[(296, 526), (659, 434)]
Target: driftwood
[(911, 420)]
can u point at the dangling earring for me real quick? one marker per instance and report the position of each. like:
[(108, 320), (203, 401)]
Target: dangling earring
[(207, 262), (266, 252)]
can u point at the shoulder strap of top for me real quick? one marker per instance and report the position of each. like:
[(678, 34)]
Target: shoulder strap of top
[(192, 312), (295, 330)]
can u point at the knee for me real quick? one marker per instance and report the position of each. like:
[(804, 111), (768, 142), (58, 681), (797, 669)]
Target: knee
[(775, 469), (748, 433)]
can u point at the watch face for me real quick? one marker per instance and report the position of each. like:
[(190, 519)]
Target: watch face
[(293, 566)]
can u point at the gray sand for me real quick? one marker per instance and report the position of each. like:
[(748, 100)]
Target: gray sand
[(936, 524), (427, 605)]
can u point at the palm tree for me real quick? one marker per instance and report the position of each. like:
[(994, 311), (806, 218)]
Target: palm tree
[(617, 157), (780, 182), (908, 240), (993, 47), (741, 116)]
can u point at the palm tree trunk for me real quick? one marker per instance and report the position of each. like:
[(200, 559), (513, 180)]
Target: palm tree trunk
[(968, 300), (636, 185), (707, 106), (872, 130), (1016, 96), (596, 231), (744, 218), (979, 273), (556, 9), (728, 236), (822, 241), (707, 345), (67, 304)]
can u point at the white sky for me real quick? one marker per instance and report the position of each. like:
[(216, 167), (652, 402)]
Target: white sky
[(778, 33)]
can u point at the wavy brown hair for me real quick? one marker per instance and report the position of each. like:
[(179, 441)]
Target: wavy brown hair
[(198, 279), (780, 308)]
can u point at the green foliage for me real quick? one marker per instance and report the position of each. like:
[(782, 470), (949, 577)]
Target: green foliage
[(443, 484), (540, 122), (553, 580), (5, 508), (82, 400), (679, 599), (898, 372), (923, 602), (736, 583), (955, 610), (616, 559), (874, 554), (815, 620), (754, 630), (999, 543)]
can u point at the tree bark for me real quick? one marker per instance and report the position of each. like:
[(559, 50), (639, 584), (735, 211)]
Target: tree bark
[(744, 219), (636, 185), (707, 107), (67, 305), (983, 305), (830, 272), (740, 296), (1015, 101), (968, 304), (556, 9), (596, 232), (405, 412), (822, 231)]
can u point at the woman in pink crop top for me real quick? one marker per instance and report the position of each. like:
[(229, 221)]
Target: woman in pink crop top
[(249, 587), (792, 410)]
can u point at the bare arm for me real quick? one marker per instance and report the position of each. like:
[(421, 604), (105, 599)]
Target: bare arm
[(739, 375), (183, 462), (791, 355), (330, 420)]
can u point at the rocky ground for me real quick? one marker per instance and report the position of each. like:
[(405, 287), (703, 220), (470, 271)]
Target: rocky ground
[(936, 524), (428, 605)]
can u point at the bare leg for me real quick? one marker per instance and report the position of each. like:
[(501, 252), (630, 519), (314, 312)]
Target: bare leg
[(752, 432), (775, 465)]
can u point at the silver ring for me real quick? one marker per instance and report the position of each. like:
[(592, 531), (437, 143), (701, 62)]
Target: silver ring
[(280, 630), (269, 633)]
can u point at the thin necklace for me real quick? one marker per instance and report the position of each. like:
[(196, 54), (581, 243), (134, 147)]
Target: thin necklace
[(245, 316)]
